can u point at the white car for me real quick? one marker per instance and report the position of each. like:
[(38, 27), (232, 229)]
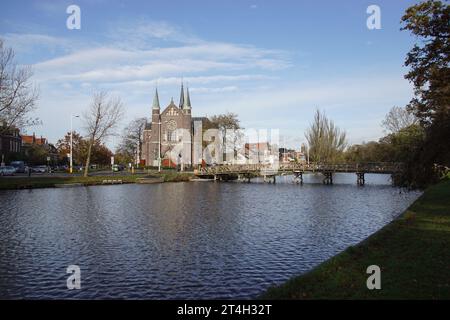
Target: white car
[(7, 171), (39, 169)]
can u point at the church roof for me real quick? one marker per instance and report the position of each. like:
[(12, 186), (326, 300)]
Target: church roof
[(172, 107)]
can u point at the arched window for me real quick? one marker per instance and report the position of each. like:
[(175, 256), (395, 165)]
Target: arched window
[(171, 135)]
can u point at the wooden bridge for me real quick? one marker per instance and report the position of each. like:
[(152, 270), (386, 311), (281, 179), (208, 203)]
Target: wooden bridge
[(245, 172)]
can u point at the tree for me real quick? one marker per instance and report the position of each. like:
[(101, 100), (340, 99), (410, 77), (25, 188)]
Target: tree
[(403, 143), (18, 95), (229, 125), (36, 154), (225, 121), (78, 147), (429, 60), (326, 141), (397, 119), (100, 153), (371, 151), (101, 120), (429, 72), (130, 146)]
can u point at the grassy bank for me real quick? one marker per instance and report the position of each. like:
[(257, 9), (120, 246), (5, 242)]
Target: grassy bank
[(50, 182), (177, 177), (413, 253)]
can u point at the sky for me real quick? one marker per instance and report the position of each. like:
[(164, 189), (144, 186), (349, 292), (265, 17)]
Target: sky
[(271, 62)]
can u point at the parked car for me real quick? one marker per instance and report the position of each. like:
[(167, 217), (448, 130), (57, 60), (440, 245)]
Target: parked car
[(39, 169), (19, 166), (56, 168), (62, 168), (118, 167), (7, 171)]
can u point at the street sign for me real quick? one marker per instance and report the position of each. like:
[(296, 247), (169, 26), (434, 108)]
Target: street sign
[(112, 160)]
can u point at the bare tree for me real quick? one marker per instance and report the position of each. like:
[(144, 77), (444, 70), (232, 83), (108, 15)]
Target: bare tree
[(230, 127), (397, 119), (326, 141), (18, 95), (132, 136), (101, 120), (225, 121)]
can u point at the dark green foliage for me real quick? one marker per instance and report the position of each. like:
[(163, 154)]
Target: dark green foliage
[(395, 147), (429, 63)]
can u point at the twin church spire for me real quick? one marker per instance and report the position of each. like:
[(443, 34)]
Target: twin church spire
[(155, 104), (185, 100)]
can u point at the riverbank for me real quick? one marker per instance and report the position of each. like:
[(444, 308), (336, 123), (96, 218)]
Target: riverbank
[(34, 182), (412, 252)]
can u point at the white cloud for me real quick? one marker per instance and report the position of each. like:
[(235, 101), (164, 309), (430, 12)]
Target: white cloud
[(142, 33), (193, 80), (213, 90), (222, 77), (106, 64), (29, 41)]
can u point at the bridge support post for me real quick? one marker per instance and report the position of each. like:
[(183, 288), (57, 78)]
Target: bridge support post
[(360, 180), (298, 177), (328, 179), (244, 177)]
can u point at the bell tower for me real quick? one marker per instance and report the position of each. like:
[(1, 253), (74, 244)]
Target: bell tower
[(155, 108)]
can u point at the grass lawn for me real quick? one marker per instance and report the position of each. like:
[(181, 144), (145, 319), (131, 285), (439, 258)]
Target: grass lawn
[(413, 253), (49, 182)]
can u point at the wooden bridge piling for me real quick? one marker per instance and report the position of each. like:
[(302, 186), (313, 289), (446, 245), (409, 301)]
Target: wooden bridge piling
[(298, 177), (270, 178), (360, 180), (328, 179)]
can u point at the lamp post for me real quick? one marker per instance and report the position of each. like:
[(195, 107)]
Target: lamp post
[(307, 154), (71, 141), (159, 145)]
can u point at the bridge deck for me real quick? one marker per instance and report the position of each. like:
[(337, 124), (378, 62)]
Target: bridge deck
[(264, 169)]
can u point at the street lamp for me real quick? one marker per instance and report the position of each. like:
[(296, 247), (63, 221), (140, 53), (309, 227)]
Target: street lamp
[(71, 141), (307, 154), (159, 145)]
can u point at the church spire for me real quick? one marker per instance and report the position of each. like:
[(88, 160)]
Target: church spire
[(187, 101), (155, 104), (181, 96)]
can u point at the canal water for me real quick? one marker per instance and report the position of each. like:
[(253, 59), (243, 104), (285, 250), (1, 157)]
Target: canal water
[(190, 240)]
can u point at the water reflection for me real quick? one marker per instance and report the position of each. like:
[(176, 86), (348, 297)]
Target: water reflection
[(183, 240)]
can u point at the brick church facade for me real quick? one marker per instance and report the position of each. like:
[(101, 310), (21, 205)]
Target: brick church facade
[(169, 134)]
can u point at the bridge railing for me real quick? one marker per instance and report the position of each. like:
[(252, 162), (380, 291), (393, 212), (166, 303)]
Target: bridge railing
[(378, 167), (344, 167)]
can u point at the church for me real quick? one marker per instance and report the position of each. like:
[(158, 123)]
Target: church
[(167, 131)]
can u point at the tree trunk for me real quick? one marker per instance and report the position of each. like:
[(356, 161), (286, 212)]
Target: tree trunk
[(88, 159)]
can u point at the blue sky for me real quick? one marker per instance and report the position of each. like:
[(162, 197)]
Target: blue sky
[(272, 62)]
